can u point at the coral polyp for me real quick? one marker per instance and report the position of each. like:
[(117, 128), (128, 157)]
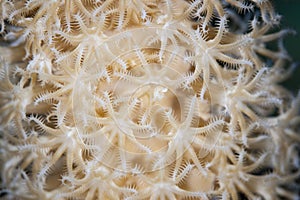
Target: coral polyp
[(136, 99)]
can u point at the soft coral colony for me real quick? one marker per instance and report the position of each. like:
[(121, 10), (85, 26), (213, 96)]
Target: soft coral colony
[(136, 99)]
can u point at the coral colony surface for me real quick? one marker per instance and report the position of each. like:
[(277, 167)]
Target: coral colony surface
[(146, 99)]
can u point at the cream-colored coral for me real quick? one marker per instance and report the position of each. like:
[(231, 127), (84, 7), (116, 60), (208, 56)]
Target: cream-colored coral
[(136, 99)]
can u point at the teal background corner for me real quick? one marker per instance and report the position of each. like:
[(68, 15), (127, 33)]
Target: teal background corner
[(290, 12)]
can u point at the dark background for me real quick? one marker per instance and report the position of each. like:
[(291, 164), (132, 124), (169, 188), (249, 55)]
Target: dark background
[(290, 12)]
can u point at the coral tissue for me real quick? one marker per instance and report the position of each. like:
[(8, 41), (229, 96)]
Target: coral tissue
[(146, 99)]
